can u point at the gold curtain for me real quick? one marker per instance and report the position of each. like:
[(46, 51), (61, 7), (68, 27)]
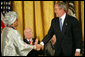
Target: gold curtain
[(37, 15), (17, 6), (28, 15), (79, 8), (82, 18)]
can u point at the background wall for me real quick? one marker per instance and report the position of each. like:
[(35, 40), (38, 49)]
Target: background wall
[(37, 15)]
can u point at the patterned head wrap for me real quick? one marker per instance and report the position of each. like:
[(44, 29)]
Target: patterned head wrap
[(10, 18)]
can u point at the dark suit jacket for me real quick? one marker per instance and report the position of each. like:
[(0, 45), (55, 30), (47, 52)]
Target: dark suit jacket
[(25, 40), (68, 39)]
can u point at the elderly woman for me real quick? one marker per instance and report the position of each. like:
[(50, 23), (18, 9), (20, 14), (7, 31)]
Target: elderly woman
[(13, 44)]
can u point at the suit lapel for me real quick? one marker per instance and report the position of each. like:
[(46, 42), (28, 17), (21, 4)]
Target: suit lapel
[(57, 24), (64, 24)]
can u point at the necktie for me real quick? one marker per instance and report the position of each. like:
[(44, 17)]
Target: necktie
[(29, 42), (60, 20)]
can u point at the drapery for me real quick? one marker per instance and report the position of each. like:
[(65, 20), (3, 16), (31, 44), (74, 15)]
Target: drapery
[(37, 15)]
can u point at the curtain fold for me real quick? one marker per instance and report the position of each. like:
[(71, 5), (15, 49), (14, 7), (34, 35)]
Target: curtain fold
[(38, 20), (37, 15), (17, 7), (82, 18), (29, 15), (48, 14)]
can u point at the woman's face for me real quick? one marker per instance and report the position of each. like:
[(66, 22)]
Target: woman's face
[(16, 23)]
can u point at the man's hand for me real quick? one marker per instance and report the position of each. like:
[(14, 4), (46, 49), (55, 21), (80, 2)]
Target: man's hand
[(36, 41), (77, 53), (38, 47)]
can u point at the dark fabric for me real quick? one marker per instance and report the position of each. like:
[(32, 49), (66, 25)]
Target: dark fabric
[(49, 49), (69, 39), (34, 52), (25, 40)]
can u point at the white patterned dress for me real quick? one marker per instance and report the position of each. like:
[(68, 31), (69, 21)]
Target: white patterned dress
[(13, 44)]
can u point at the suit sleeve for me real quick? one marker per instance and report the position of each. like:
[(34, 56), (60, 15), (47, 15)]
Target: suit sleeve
[(77, 34), (49, 35)]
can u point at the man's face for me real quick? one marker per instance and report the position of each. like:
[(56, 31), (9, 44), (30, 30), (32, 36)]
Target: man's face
[(57, 11), (28, 33)]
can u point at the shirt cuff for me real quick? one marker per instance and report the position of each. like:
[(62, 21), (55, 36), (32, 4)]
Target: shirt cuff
[(42, 43), (78, 50)]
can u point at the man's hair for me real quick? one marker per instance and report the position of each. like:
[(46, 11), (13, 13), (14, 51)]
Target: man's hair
[(62, 5), (27, 29)]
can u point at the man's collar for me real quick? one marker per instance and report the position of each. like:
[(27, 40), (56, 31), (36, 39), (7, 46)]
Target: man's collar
[(63, 16), (29, 39)]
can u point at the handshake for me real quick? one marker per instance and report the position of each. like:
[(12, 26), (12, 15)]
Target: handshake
[(38, 47)]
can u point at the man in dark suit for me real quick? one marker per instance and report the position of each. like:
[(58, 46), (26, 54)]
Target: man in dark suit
[(34, 52), (32, 41), (67, 31)]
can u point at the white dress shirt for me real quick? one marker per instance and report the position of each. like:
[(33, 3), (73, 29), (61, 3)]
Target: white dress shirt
[(63, 18), (30, 39)]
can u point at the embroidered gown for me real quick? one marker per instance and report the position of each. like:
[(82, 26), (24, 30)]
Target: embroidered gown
[(13, 44)]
